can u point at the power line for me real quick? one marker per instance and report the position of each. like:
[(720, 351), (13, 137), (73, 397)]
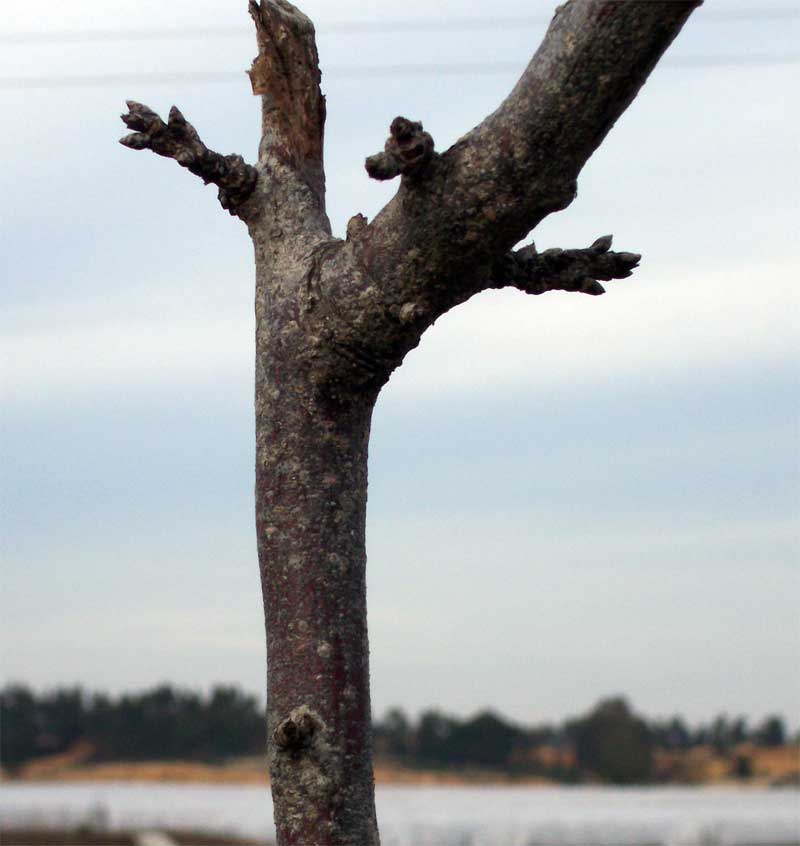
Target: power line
[(84, 36), (376, 71), (732, 61), (355, 27), (11, 83)]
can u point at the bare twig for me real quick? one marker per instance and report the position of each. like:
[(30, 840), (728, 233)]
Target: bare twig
[(178, 139), (564, 270)]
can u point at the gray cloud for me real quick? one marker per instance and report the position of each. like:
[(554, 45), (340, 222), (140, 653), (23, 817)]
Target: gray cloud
[(601, 495)]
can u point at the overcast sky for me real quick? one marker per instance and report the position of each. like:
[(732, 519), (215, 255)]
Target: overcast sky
[(570, 496)]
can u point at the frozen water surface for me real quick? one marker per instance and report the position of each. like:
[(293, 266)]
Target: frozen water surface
[(442, 816)]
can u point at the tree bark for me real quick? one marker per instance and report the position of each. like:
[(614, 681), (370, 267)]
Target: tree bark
[(311, 490), (335, 317), (311, 499)]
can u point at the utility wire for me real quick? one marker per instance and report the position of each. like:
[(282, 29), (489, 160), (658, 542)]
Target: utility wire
[(356, 27), (377, 71)]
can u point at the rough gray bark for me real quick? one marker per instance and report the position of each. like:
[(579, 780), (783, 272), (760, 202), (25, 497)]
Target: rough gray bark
[(335, 317)]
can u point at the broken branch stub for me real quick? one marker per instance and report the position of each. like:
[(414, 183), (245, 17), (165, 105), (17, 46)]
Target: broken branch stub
[(286, 76)]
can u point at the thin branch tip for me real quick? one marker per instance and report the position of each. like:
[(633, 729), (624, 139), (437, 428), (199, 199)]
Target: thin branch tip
[(178, 139), (602, 244), (555, 269), (134, 141)]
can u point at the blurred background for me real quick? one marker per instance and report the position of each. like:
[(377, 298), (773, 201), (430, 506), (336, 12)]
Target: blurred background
[(571, 498)]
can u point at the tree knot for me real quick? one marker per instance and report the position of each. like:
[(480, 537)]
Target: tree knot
[(407, 152), (296, 732)]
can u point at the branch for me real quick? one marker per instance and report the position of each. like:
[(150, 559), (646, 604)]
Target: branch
[(179, 140), (407, 152), (286, 74), (564, 270), (448, 226)]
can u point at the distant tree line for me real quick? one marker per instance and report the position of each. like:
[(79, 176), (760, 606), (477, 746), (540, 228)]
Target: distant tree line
[(610, 743), (162, 723)]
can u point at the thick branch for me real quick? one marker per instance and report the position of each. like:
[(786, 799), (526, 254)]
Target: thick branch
[(594, 59), (179, 140), (443, 232), (563, 270)]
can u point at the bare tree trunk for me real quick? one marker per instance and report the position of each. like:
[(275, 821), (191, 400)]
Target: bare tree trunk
[(311, 491), (311, 498), (335, 317)]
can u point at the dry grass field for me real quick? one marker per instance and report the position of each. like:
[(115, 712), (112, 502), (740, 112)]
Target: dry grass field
[(746, 764)]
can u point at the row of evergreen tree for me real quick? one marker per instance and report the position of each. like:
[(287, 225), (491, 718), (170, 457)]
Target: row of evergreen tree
[(610, 743), (163, 723)]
